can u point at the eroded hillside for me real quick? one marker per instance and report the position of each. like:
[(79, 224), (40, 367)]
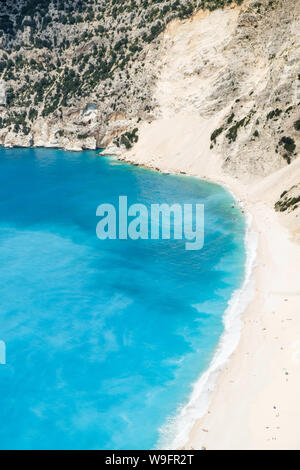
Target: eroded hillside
[(234, 74), (79, 73)]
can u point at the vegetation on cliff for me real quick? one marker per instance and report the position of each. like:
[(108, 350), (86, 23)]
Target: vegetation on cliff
[(56, 54)]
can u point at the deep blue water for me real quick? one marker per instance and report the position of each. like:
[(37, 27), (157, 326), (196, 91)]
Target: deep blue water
[(104, 338)]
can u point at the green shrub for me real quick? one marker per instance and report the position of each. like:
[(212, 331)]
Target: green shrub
[(297, 125), (215, 134), (233, 131), (275, 113), (288, 143)]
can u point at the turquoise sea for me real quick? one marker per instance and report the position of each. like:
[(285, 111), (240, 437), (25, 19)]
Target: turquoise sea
[(104, 339)]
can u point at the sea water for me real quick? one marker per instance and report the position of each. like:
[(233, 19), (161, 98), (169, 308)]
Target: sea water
[(104, 338)]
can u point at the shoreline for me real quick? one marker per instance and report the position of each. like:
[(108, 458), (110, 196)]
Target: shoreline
[(257, 387), (253, 377), (203, 389), (181, 425)]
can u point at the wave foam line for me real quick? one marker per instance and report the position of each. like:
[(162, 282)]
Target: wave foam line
[(175, 433)]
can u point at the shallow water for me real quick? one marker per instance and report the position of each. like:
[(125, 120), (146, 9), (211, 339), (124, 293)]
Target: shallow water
[(104, 338)]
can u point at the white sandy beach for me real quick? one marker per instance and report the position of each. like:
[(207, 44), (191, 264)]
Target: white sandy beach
[(256, 402)]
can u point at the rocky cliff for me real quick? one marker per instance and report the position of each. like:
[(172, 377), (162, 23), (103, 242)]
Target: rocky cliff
[(80, 73)]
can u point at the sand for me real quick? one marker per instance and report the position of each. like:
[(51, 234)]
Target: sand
[(256, 402)]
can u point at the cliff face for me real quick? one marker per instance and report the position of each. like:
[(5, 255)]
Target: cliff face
[(80, 73), (236, 71), (191, 85)]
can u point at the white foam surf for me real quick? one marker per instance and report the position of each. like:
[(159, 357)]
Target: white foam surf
[(175, 433)]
